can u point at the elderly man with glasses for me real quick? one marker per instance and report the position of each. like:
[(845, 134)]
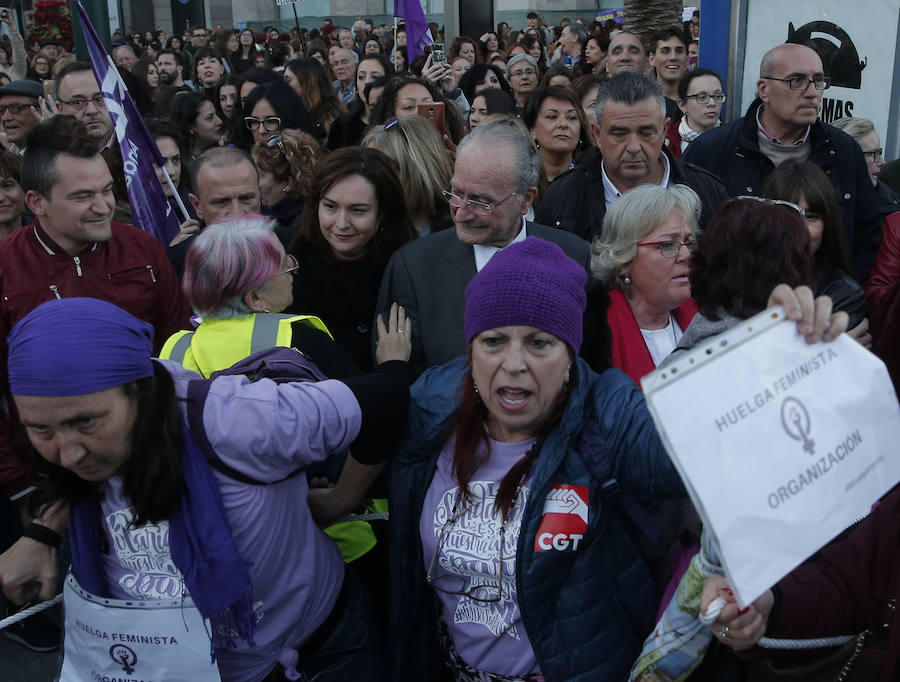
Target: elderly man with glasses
[(783, 123), (493, 186), (20, 112)]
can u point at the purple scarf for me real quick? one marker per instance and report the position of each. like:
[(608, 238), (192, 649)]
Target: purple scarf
[(202, 548)]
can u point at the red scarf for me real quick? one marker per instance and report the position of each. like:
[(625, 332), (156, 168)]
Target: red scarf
[(629, 351)]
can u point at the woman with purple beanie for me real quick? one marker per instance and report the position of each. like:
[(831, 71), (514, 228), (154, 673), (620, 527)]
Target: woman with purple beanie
[(510, 495)]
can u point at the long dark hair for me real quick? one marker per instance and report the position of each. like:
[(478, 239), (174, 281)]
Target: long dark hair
[(384, 109), (152, 478), (395, 226), (796, 180), (476, 75), (316, 91)]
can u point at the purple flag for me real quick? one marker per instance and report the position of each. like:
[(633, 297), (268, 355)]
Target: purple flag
[(417, 34), (150, 209)]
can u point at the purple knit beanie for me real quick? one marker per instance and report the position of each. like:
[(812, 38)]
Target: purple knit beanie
[(531, 283)]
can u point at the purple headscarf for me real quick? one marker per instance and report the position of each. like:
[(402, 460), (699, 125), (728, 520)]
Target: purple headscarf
[(76, 346)]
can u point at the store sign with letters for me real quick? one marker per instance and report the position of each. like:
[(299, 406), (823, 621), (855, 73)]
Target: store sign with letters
[(781, 444)]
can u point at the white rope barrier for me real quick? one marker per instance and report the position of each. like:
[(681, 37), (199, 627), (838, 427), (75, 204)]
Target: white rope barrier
[(37, 608), (715, 608), (30, 611)]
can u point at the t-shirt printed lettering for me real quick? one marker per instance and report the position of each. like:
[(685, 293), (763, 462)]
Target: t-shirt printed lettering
[(139, 562), (489, 635)]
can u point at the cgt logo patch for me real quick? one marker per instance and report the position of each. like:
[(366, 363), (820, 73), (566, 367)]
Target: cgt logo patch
[(565, 519)]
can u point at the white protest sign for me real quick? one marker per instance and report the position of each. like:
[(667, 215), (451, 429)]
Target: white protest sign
[(781, 444), (112, 639)]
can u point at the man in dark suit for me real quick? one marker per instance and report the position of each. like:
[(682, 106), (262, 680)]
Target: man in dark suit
[(494, 183)]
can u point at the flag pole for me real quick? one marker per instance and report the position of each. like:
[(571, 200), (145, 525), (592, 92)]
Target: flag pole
[(175, 193)]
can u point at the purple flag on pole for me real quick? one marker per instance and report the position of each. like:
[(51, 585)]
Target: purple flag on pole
[(417, 34), (150, 209)]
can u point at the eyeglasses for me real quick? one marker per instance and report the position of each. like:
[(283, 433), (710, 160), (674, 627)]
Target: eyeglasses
[(518, 73), (292, 267), (876, 154), (669, 248), (800, 83), (480, 207), (480, 593), (80, 103), (270, 124), (775, 202), (198, 35), (703, 97), (14, 109)]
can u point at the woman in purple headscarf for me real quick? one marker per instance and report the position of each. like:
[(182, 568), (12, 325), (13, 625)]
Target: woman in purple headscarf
[(194, 504)]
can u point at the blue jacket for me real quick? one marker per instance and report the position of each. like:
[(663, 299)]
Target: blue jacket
[(732, 152), (586, 612)]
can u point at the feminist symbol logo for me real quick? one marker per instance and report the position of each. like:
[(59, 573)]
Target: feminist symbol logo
[(796, 423), (124, 656)]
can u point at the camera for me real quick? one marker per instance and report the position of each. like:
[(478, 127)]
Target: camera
[(4, 14)]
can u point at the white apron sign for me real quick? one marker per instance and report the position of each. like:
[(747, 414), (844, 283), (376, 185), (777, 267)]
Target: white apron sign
[(113, 640), (782, 445)]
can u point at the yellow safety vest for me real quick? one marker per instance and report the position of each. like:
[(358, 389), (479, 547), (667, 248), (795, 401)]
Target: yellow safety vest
[(218, 344)]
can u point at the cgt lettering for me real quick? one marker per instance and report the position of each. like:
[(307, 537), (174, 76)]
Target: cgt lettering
[(559, 541)]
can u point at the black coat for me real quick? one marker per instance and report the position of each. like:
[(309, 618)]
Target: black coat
[(575, 200), (732, 152), (343, 295)]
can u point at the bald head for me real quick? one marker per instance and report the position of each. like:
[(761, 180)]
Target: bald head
[(784, 52), (226, 185), (790, 86)]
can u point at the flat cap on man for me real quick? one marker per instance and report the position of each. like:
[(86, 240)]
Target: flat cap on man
[(23, 87)]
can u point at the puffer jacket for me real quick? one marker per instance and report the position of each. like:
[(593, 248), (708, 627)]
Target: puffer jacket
[(587, 611)]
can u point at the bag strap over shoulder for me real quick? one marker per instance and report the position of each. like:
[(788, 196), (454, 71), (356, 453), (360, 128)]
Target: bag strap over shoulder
[(278, 364), (609, 487)]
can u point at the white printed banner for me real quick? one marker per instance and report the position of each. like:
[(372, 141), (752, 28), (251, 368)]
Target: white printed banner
[(126, 641), (781, 444)]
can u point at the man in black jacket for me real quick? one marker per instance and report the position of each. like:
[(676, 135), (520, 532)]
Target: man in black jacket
[(783, 123), (630, 131)]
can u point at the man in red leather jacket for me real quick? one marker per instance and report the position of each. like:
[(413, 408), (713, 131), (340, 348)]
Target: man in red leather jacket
[(74, 249)]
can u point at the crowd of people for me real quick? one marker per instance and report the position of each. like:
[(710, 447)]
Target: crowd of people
[(452, 273)]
